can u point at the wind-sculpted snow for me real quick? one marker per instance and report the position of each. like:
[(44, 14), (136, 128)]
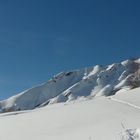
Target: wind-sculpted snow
[(67, 86)]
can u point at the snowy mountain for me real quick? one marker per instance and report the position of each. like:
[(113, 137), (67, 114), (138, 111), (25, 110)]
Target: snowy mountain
[(78, 85), (95, 103)]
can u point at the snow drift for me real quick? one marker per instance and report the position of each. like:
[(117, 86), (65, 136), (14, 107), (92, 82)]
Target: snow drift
[(67, 86)]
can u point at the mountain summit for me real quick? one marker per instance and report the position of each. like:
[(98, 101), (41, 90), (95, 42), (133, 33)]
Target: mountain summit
[(74, 85)]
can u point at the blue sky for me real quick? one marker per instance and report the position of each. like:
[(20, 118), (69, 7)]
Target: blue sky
[(39, 38)]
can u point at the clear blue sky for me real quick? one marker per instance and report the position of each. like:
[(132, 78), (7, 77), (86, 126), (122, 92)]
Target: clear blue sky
[(39, 38)]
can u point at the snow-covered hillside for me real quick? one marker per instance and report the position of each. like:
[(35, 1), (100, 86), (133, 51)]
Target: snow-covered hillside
[(75, 85), (100, 118)]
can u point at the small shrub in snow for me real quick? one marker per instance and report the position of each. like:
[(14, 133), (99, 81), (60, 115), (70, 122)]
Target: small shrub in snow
[(131, 134)]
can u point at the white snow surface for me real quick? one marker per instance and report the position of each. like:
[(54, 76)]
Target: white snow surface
[(75, 85), (98, 118)]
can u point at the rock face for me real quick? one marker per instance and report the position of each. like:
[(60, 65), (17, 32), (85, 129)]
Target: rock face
[(67, 86)]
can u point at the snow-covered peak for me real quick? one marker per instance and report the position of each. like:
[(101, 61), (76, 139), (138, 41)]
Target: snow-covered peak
[(72, 85)]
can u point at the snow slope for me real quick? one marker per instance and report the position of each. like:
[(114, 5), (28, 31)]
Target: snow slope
[(99, 118), (84, 83)]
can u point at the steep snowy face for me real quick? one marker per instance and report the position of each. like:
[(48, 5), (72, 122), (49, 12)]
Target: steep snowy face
[(84, 83)]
